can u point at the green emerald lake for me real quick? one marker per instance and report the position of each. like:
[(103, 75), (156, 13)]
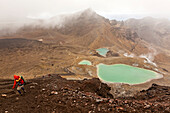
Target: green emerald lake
[(85, 62), (121, 73), (102, 51)]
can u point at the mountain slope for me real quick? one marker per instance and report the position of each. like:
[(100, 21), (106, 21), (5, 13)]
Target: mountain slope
[(152, 30), (85, 28)]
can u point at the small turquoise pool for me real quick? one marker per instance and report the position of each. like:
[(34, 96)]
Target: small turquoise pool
[(102, 51), (121, 73), (85, 62)]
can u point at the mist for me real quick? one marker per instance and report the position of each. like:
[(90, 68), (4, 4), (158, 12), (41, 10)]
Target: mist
[(16, 10), (16, 13)]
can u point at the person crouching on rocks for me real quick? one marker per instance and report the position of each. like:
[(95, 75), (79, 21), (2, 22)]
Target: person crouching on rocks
[(19, 82)]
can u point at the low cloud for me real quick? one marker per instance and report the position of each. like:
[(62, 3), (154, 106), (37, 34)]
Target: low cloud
[(20, 12)]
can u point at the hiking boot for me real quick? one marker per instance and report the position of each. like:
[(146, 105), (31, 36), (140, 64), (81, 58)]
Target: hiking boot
[(24, 91)]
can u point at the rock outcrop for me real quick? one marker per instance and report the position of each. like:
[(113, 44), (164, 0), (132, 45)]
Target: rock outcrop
[(55, 94)]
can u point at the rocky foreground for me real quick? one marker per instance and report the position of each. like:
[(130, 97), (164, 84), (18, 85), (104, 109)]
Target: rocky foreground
[(53, 94)]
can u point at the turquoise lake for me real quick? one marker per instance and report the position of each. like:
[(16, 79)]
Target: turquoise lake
[(85, 62), (121, 73), (102, 51)]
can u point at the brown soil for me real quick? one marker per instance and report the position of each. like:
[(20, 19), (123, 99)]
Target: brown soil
[(53, 94)]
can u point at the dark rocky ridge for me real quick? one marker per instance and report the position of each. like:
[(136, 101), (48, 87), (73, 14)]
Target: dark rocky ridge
[(55, 94), (18, 43)]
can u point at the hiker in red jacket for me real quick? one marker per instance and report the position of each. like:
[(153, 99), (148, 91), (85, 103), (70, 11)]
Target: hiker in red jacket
[(19, 82)]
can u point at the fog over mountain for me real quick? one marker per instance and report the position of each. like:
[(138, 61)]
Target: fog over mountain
[(18, 10), (17, 13)]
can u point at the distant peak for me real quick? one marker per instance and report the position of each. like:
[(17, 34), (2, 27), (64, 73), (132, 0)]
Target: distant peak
[(89, 11)]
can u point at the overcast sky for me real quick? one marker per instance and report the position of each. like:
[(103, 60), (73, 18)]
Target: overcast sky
[(15, 10)]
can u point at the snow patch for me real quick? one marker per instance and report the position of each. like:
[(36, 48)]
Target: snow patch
[(129, 55), (148, 58), (40, 40)]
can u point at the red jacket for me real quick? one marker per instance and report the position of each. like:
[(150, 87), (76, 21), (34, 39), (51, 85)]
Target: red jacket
[(18, 80)]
